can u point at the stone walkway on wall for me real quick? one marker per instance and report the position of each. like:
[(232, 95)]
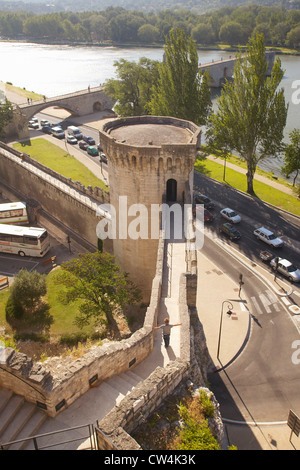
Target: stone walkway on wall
[(99, 401)]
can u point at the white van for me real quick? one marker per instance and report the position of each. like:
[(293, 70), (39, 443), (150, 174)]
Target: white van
[(72, 130), (58, 132)]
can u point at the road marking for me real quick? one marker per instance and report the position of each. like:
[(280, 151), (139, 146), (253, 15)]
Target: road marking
[(285, 301), (265, 302), (257, 307)]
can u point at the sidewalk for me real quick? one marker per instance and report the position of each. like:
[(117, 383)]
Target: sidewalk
[(214, 288), (257, 177)]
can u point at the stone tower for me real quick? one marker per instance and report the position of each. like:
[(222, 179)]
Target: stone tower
[(150, 161)]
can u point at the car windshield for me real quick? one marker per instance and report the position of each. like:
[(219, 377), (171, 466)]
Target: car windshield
[(291, 268), (272, 236), (232, 214)]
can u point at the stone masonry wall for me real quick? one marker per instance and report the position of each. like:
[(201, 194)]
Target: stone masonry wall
[(61, 197), (56, 392)]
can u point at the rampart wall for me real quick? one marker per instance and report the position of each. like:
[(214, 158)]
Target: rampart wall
[(66, 200)]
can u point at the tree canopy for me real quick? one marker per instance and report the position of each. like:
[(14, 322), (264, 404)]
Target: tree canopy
[(251, 111), (292, 156), (228, 24), (132, 88), (181, 91), (96, 281), (6, 113)]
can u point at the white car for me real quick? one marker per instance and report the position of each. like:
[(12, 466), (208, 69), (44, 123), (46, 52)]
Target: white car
[(268, 237), (286, 268), (33, 124), (230, 215), (71, 139)]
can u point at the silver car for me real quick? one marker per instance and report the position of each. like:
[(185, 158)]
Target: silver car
[(268, 237), (286, 268)]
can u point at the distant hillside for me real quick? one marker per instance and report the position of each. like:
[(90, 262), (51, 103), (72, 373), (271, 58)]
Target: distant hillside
[(197, 6)]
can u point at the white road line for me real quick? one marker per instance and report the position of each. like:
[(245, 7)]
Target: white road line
[(273, 300), (265, 302), (257, 307)]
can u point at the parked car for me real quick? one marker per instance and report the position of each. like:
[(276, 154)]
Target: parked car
[(92, 151), (83, 145), (56, 126), (44, 123), (71, 139), (58, 132), (207, 216), (33, 125), (268, 237), (230, 215), (202, 199), (34, 119), (230, 231), (47, 129), (73, 130), (286, 268), (103, 158), (89, 140)]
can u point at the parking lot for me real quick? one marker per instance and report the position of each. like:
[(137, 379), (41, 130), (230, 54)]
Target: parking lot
[(60, 250)]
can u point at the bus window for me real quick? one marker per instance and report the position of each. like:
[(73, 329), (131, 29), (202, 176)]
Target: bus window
[(30, 240)]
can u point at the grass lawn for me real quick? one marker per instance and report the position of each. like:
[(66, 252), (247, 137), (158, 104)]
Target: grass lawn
[(60, 161), (23, 92), (63, 315), (237, 180)]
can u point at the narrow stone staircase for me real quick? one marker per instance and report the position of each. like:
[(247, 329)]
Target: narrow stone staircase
[(88, 409), (18, 419)]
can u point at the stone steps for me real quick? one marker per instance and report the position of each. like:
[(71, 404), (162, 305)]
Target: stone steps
[(33, 421), (18, 419)]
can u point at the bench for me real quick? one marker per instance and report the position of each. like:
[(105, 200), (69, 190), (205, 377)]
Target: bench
[(4, 282), (50, 260)]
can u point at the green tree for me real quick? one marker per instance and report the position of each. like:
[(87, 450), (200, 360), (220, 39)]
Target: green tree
[(148, 33), (132, 89), (203, 34), (293, 38), (251, 113), (292, 155), (25, 308), (6, 114), (181, 91), (98, 283)]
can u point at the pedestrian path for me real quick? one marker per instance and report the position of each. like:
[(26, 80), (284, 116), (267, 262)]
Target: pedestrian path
[(257, 177)]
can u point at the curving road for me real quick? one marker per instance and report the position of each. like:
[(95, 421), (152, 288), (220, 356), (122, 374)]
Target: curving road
[(263, 383)]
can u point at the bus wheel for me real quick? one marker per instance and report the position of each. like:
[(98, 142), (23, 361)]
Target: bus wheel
[(21, 253)]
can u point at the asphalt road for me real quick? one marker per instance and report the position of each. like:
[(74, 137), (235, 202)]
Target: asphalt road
[(263, 383)]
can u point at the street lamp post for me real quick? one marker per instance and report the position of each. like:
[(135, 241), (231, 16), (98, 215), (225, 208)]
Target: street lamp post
[(229, 312)]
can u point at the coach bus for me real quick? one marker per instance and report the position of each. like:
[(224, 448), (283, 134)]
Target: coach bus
[(24, 241), (14, 213)]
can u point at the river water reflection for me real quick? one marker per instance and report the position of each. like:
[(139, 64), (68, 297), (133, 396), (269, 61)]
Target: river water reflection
[(53, 70)]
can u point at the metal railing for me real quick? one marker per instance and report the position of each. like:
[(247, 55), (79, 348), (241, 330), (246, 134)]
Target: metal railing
[(35, 439)]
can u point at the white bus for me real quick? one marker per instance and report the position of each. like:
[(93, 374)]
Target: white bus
[(13, 213), (24, 241)]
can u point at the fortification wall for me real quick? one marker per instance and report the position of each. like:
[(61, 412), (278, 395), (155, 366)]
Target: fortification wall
[(61, 197)]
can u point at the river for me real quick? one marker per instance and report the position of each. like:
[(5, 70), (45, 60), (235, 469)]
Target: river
[(53, 70)]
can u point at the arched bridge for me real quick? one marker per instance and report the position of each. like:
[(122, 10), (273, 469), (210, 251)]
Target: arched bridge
[(222, 70), (79, 103)]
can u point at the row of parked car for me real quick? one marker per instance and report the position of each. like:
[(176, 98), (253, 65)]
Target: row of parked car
[(228, 228), (74, 136)]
